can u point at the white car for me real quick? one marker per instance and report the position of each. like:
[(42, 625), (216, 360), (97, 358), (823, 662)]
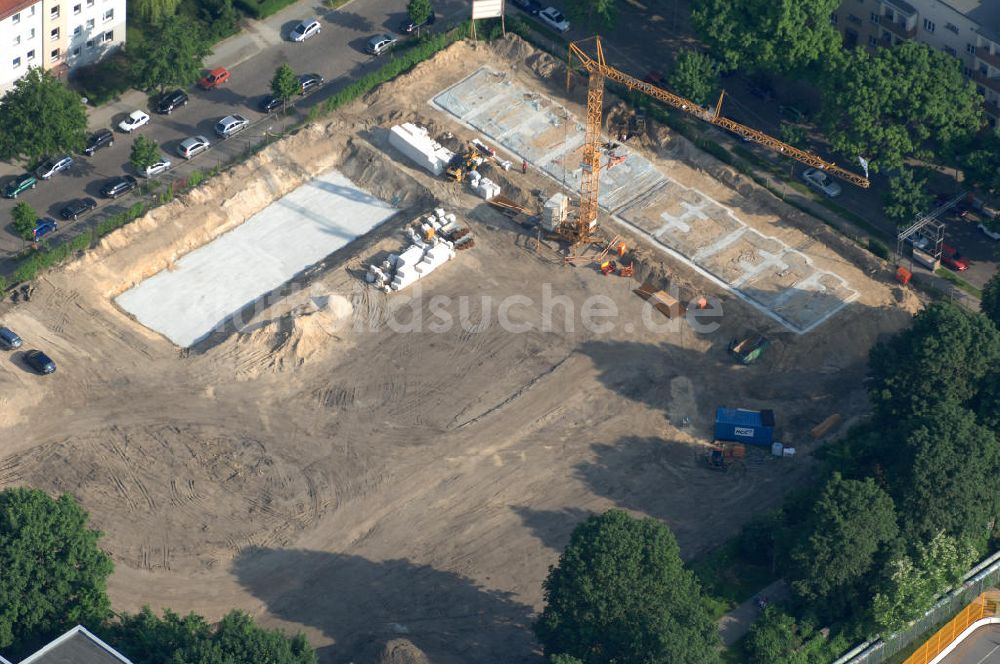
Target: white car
[(135, 120), (993, 235), (305, 30), (554, 19), (231, 124), (160, 166), (189, 147), (820, 181)]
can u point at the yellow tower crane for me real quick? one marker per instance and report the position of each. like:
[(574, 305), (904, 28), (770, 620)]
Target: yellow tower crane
[(578, 231)]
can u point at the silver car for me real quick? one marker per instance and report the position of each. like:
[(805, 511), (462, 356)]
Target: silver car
[(52, 166), (817, 179), (231, 124), (379, 44), (305, 30), (160, 166), (190, 147)]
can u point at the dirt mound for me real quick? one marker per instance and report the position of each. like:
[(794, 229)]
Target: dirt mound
[(401, 651)]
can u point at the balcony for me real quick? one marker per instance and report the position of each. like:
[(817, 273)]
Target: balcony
[(991, 82), (992, 59), (899, 29)]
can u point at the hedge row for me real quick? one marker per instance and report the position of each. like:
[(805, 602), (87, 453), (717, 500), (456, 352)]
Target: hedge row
[(261, 9)]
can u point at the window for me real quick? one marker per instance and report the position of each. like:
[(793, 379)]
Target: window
[(54, 12), (928, 25), (31, 10), (108, 15), (983, 70), (77, 9), (981, 90), (890, 15), (875, 18), (76, 51), (31, 55), (950, 51), (31, 34), (77, 31), (854, 19), (872, 41), (17, 39), (90, 43), (54, 34), (971, 48), (886, 37), (17, 62), (54, 55), (952, 27), (90, 24), (899, 40), (108, 36), (90, 3), (16, 18), (833, 18), (967, 72)]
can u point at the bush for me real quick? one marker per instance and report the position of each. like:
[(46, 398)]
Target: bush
[(261, 8), (878, 248), (104, 81)]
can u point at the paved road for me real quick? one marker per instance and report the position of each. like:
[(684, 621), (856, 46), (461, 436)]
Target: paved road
[(252, 56), (734, 625), (981, 647)]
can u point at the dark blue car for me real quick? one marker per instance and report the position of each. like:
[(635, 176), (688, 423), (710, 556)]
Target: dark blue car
[(44, 226)]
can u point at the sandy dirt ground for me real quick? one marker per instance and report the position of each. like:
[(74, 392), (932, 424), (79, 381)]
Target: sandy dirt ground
[(346, 464)]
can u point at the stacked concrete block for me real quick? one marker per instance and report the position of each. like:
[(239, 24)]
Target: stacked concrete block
[(416, 143)]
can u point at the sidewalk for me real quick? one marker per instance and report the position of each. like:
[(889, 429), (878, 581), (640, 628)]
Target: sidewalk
[(734, 625)]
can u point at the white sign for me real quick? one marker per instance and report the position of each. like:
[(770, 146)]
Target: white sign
[(486, 9), (743, 431)]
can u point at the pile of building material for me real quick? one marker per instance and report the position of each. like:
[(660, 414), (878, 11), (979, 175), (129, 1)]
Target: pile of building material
[(483, 186), (434, 240), (555, 211), (416, 143)]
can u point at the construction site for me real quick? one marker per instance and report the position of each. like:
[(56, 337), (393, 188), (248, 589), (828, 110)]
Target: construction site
[(359, 389)]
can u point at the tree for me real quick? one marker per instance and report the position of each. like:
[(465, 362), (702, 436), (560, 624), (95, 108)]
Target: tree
[(907, 197), (989, 303), (54, 575), (285, 84), (154, 11), (695, 76), (793, 134), (942, 357), (620, 593), (41, 116), (850, 522), (777, 639), (219, 17), (419, 11), (174, 58), (24, 220), (564, 659), (910, 584), (150, 639), (900, 101), (944, 475), (979, 164), (766, 35), (145, 153), (594, 13)]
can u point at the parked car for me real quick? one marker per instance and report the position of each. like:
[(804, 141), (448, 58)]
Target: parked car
[(9, 340), (554, 19), (988, 232), (380, 44), (77, 208), (408, 27), (305, 30), (44, 226), (268, 103), (952, 259), (532, 7), (214, 78), (309, 82), (19, 185), (820, 181), (160, 166), (40, 362), (135, 120), (102, 138), (171, 100), (230, 125), (192, 146), (117, 186), (54, 165), (791, 113)]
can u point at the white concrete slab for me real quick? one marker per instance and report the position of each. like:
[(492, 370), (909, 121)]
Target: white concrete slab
[(211, 283)]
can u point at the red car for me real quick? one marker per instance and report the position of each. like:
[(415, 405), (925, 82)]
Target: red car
[(214, 78), (951, 258)]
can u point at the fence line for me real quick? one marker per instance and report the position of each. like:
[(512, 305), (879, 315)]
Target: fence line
[(984, 606)]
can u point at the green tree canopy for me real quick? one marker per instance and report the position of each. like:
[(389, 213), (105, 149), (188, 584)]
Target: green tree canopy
[(942, 357), (979, 164), (174, 58), (907, 197), (989, 303), (776, 638), (285, 84), (593, 13), (53, 573), (153, 11), (237, 639), (763, 34), (850, 523), (41, 117), (620, 593), (24, 220), (695, 76), (898, 102), (145, 152), (419, 11), (945, 478)]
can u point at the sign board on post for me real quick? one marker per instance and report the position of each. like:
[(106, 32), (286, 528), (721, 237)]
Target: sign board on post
[(487, 9)]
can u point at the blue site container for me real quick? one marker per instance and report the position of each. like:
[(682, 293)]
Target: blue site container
[(753, 427)]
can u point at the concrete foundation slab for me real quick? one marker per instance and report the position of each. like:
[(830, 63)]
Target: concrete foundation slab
[(208, 285), (780, 280)]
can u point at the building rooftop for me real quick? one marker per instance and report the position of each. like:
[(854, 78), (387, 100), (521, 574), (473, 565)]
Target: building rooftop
[(77, 646), (984, 12), (10, 7)]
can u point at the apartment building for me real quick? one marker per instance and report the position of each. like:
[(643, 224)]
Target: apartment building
[(56, 34), (966, 29)]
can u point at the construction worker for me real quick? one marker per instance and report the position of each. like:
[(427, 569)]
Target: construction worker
[(524, 166)]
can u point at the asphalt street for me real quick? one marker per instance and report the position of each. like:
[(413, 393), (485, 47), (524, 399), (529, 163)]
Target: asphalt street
[(981, 647)]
